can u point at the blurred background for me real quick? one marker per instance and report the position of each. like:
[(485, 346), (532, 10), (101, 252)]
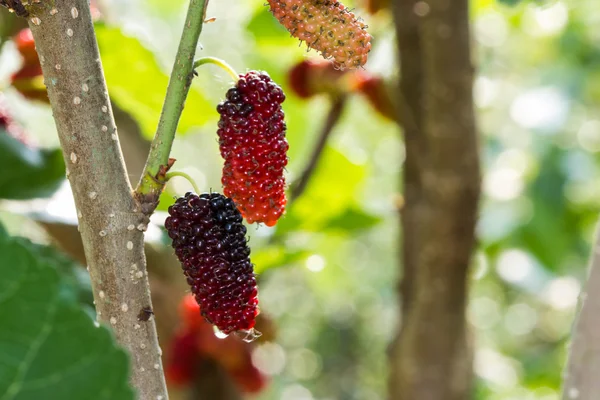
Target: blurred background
[(328, 271)]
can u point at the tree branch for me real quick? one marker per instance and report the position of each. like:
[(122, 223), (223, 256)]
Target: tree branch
[(337, 108), (430, 357), (111, 222), (583, 366), (149, 188)]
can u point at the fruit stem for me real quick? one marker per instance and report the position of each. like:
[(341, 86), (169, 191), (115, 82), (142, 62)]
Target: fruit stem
[(183, 175), (148, 190), (217, 61)]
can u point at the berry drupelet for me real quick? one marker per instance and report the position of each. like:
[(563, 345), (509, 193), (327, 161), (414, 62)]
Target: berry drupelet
[(210, 241), (252, 142)]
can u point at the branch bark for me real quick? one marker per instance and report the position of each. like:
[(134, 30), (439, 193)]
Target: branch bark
[(430, 358), (583, 365), (111, 222)]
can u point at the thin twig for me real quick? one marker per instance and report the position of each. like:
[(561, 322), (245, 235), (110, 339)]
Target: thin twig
[(333, 118), (149, 189)]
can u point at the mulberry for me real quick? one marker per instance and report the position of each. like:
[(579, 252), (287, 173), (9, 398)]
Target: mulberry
[(252, 142), (210, 241), (327, 26), (9, 126)]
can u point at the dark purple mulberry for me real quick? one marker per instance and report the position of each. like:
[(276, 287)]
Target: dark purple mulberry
[(210, 241)]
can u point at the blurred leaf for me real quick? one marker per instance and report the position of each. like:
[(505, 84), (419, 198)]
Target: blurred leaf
[(353, 220), (265, 27), (138, 85), (28, 172), (49, 348), (329, 195), (274, 257)]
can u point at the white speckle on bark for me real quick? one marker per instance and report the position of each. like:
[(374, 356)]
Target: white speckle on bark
[(54, 11), (142, 227), (70, 32), (74, 13), (131, 227), (104, 128), (99, 313), (573, 393), (36, 21), (114, 136), (159, 351), (79, 214), (130, 245), (142, 369), (76, 100), (136, 326), (73, 158), (139, 274), (101, 294), (93, 195), (57, 67), (96, 324), (113, 321), (159, 397), (85, 87), (67, 173), (112, 215), (102, 233), (104, 109), (134, 267), (142, 345), (156, 366), (124, 307)]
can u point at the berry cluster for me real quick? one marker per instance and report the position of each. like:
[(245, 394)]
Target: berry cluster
[(327, 26), (252, 142), (210, 241)]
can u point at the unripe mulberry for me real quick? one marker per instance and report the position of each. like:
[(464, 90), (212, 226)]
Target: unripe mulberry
[(252, 142), (327, 26), (210, 241)]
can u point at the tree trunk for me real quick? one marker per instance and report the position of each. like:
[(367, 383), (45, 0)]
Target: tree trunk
[(583, 367), (110, 220), (431, 357)]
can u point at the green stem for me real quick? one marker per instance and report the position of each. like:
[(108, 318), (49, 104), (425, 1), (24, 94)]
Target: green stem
[(220, 63), (186, 176), (149, 189)]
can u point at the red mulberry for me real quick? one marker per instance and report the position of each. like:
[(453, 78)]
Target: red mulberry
[(8, 125), (210, 241), (252, 142), (326, 26)]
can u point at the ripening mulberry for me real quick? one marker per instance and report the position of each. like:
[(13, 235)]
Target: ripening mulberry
[(210, 241), (327, 26), (252, 142)]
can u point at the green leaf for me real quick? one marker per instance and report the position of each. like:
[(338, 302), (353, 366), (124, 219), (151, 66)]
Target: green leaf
[(330, 194), (352, 220), (138, 85), (49, 347), (266, 28), (28, 172), (274, 257)]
